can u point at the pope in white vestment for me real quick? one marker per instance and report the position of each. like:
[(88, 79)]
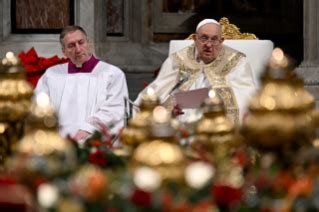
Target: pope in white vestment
[(207, 63)]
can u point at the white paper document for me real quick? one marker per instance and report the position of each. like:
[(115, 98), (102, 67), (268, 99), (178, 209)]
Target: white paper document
[(192, 98)]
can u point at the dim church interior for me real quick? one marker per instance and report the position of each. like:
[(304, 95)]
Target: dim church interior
[(137, 36), (144, 30)]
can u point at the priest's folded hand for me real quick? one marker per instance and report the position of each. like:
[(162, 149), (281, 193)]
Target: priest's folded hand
[(80, 135)]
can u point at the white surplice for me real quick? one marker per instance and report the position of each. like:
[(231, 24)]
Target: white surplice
[(82, 100)]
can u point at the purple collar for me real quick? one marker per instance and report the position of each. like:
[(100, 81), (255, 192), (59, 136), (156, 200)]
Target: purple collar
[(87, 67)]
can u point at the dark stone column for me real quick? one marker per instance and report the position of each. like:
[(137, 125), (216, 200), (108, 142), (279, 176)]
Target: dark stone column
[(309, 68)]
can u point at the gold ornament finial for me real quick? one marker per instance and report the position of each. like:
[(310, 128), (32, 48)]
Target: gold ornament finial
[(213, 103), (280, 109), (216, 139), (149, 100), (138, 129), (41, 126), (215, 132), (42, 142), (161, 154), (11, 64), (161, 125), (42, 114), (15, 101), (215, 119), (10, 59), (164, 159)]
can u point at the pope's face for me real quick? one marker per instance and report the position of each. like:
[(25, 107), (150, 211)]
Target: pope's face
[(208, 42), (76, 47)]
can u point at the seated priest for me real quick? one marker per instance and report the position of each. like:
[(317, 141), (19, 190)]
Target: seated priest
[(206, 63), (86, 92)]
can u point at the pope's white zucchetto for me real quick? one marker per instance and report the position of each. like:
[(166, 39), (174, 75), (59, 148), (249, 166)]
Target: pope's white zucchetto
[(206, 21)]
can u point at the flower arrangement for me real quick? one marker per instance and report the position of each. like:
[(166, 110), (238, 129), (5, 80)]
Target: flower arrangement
[(280, 183), (98, 150), (103, 180), (35, 66)]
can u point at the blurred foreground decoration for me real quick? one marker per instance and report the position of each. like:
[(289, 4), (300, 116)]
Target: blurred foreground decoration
[(281, 126), (217, 140), (276, 169), (162, 172), (15, 101), (42, 154), (281, 113), (43, 160), (215, 133), (138, 129), (161, 155)]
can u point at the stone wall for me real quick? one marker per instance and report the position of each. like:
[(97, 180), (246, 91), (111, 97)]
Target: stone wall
[(131, 50)]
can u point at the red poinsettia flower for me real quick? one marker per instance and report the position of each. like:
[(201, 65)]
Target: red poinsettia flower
[(96, 143), (205, 205), (282, 182), (141, 198), (98, 158), (263, 181), (226, 196), (167, 201), (38, 181), (183, 132), (35, 66), (241, 157), (7, 179), (302, 186)]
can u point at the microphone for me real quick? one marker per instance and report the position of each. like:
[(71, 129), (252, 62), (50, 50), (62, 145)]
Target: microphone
[(181, 81)]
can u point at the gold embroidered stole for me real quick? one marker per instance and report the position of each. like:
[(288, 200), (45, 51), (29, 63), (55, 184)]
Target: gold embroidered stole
[(215, 72)]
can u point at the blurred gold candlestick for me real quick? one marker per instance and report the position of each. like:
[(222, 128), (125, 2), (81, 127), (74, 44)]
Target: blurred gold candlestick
[(15, 101), (41, 144), (216, 139), (138, 128), (215, 133), (280, 116), (161, 155)]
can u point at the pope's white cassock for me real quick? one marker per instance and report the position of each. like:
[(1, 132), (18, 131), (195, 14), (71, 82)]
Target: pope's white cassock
[(229, 74), (83, 100)]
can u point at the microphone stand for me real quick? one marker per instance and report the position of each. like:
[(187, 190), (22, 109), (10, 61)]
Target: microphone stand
[(182, 80)]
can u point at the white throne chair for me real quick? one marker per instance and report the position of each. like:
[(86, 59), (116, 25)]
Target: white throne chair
[(257, 51)]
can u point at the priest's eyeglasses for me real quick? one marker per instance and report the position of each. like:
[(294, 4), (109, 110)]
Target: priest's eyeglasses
[(205, 40)]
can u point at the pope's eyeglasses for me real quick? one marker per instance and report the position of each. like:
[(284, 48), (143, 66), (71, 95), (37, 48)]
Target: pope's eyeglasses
[(205, 40)]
